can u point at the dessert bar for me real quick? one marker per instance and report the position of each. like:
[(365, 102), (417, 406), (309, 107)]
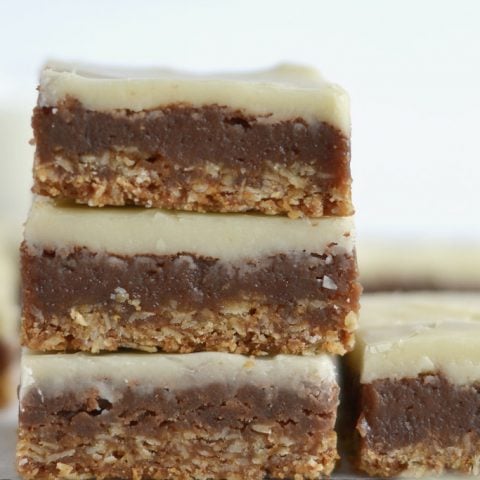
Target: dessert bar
[(157, 416), (417, 361), (103, 279), (275, 141)]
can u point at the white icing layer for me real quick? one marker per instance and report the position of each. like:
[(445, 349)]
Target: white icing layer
[(284, 92), (447, 265), (404, 335), (129, 231), (56, 373)]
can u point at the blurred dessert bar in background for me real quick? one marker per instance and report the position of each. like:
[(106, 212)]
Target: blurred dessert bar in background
[(416, 371), (274, 141), (185, 282), (437, 264), (9, 311), (199, 415)]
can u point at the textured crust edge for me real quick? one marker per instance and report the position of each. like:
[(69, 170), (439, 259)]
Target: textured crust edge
[(428, 457), (254, 330), (182, 455), (211, 189)]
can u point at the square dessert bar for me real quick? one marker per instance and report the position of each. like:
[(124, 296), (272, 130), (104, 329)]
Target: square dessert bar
[(275, 141), (110, 278), (158, 416), (417, 361)]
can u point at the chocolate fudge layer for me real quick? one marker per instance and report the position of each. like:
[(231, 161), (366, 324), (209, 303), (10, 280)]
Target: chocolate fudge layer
[(435, 265), (200, 415), (276, 142), (104, 279), (6, 390), (417, 361)]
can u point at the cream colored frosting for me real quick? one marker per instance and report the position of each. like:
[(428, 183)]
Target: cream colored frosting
[(284, 92), (56, 373), (404, 335), (441, 263), (129, 231)]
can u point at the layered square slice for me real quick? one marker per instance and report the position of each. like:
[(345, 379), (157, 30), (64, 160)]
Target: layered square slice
[(275, 141), (110, 278), (417, 364), (156, 416)]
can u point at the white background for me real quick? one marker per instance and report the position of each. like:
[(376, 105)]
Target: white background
[(412, 68)]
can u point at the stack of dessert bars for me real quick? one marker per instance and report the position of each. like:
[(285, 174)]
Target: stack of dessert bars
[(187, 327)]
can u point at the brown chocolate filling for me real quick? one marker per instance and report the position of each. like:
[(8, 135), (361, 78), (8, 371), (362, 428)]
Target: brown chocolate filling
[(400, 285), (84, 413), (189, 136), (412, 410), (5, 357), (54, 282)]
